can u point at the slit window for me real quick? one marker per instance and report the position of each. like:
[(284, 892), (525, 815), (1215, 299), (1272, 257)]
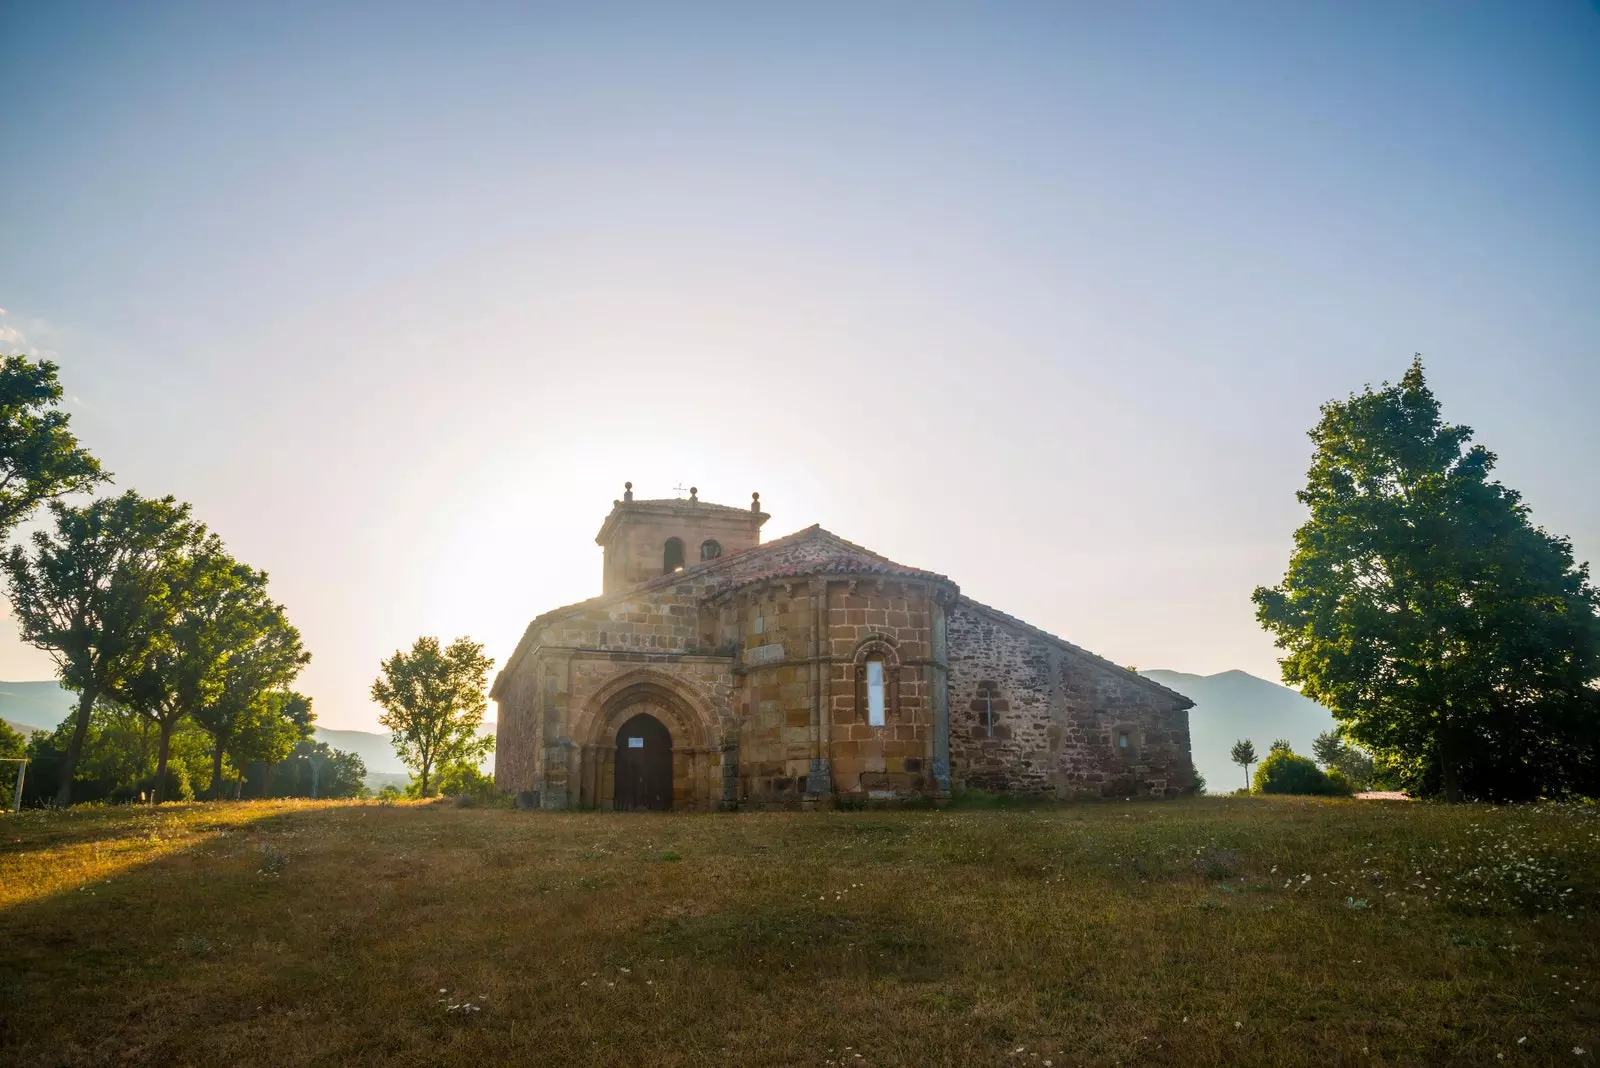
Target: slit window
[(1122, 740), (672, 556), (875, 692)]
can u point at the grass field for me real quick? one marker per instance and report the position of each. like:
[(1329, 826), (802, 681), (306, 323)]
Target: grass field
[(1210, 931)]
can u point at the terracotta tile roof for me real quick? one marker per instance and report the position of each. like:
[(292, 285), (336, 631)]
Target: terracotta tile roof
[(832, 565)]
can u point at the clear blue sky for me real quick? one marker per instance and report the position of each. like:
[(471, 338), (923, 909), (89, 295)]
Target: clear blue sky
[(1041, 296)]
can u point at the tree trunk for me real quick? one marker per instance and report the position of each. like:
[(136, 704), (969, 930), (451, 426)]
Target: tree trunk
[(238, 787), (161, 760), (266, 780), (424, 779), (214, 792), (80, 731)]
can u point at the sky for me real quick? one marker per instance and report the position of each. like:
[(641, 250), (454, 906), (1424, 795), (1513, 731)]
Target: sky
[(1043, 297)]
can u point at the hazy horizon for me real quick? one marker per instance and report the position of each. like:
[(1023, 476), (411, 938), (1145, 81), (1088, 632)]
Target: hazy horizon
[(1042, 298)]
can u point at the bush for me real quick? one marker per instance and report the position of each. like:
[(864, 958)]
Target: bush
[(467, 785), (1286, 772), (1339, 783)]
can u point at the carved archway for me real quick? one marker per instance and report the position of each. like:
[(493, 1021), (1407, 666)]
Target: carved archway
[(687, 717)]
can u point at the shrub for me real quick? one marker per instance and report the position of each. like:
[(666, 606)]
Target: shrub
[(468, 786), (1339, 783), (1286, 772)]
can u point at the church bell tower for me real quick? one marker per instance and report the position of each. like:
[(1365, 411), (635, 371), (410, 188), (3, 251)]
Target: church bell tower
[(644, 540)]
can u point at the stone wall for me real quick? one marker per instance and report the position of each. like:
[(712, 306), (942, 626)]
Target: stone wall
[(1060, 715)]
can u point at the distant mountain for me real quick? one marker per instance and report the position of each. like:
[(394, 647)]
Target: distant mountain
[(1234, 705), (39, 706)]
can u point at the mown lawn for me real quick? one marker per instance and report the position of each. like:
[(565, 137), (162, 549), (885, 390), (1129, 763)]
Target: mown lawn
[(1212, 931)]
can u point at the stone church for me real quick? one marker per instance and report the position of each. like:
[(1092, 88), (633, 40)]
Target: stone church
[(716, 671)]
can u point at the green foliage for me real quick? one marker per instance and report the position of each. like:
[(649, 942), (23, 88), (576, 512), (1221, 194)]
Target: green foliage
[(259, 652), (466, 780), (39, 457), (1199, 783), (1355, 766), (92, 594), (12, 744), (1286, 772), (1448, 635), (433, 703), (314, 769), (117, 760), (1281, 745)]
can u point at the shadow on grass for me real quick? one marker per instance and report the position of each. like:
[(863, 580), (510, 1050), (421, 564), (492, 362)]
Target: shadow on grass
[(810, 940)]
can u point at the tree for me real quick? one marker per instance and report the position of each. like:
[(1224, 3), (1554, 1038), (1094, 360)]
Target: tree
[(39, 457), (1244, 754), (433, 702), (320, 771), (13, 746), (1281, 745), (184, 671), (268, 734), (1448, 635), (1327, 748), (260, 652), (91, 594), (1334, 754)]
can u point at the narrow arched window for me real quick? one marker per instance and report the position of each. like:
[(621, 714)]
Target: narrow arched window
[(987, 706), (710, 549), (875, 693), (672, 556)]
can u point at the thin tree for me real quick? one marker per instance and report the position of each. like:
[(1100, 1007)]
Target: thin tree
[(261, 652), (40, 459), (433, 703), (1244, 754), (1446, 632), (91, 593), (1328, 749)]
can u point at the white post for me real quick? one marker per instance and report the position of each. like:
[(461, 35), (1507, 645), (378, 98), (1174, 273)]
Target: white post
[(16, 801)]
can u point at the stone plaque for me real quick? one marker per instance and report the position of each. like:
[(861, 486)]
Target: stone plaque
[(764, 654)]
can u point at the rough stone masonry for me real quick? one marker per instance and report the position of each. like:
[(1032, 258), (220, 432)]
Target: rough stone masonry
[(715, 671)]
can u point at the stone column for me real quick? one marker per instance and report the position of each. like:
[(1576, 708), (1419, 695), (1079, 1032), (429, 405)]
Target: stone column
[(730, 774), (819, 776), (939, 681)]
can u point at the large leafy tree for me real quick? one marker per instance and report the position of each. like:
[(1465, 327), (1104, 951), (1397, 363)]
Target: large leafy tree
[(433, 702), (91, 593), (1450, 636), (260, 653), (211, 599), (39, 456)]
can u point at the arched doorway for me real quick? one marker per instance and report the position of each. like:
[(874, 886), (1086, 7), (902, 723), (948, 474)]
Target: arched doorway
[(643, 768)]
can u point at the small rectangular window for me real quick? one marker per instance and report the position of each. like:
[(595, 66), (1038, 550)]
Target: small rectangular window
[(875, 692), (635, 743), (1122, 740)]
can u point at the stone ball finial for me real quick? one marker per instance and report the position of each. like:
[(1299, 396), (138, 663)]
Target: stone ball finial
[(627, 491), (755, 502), (694, 493)]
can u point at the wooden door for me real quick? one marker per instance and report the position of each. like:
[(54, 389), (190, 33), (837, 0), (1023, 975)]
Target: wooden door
[(643, 779)]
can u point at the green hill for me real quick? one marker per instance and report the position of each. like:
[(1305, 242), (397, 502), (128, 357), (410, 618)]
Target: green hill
[(1233, 705)]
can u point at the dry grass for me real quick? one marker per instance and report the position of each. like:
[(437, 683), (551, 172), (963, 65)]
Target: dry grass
[(1217, 931)]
